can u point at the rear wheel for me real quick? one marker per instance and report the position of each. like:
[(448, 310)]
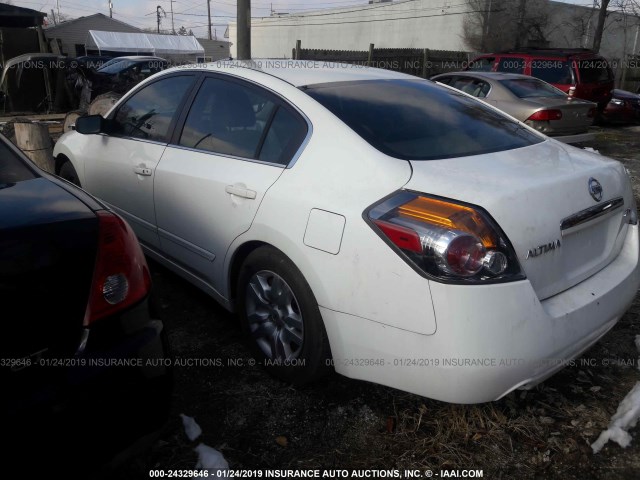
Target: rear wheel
[(69, 173), (281, 317)]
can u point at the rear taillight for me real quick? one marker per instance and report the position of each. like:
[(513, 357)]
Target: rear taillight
[(546, 115), (444, 239), (121, 275)]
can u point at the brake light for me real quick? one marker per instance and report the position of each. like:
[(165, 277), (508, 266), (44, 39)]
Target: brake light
[(121, 276), (546, 115), (445, 239)]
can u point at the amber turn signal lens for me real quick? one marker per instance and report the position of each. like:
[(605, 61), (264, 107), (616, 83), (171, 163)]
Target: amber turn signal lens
[(450, 216)]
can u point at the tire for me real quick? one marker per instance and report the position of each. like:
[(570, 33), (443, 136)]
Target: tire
[(281, 318), (69, 173)]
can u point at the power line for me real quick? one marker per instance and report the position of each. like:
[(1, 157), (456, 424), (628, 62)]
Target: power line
[(364, 21), (370, 8), (276, 20)]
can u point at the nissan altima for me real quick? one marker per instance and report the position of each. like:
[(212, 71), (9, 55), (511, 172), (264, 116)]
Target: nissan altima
[(391, 228)]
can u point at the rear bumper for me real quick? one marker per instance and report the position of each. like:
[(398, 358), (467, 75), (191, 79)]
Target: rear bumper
[(115, 393), (490, 339), (621, 114)]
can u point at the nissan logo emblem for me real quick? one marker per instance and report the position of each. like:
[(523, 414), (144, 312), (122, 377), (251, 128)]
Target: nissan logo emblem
[(595, 189)]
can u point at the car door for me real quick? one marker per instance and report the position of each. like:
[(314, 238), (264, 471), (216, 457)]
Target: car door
[(234, 142), (121, 168)]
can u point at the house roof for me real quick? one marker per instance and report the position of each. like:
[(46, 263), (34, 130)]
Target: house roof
[(12, 16), (52, 28)]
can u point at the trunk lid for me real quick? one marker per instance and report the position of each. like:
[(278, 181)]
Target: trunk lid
[(575, 114), (48, 242), (529, 192)]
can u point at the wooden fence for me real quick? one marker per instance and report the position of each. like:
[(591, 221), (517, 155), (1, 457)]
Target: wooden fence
[(421, 62)]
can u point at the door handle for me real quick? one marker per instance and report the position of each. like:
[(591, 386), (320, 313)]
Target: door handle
[(142, 171), (241, 192)]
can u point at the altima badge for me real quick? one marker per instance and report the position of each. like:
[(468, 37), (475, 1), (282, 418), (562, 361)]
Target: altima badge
[(595, 189), (542, 249)]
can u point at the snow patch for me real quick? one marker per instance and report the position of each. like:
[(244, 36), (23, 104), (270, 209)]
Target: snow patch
[(625, 417), (210, 459), (191, 428), (592, 150)]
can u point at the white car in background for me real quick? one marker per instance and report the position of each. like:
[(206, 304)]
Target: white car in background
[(395, 229)]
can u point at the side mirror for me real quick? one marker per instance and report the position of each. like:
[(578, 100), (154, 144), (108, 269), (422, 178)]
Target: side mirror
[(91, 124)]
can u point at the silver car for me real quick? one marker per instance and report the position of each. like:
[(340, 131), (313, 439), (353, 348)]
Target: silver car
[(530, 100)]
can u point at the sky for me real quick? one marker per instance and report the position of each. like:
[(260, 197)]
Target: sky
[(192, 14)]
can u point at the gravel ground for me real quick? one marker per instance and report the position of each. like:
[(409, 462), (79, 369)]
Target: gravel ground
[(259, 422)]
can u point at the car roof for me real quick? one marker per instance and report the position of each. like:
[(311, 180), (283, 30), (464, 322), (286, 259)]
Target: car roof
[(137, 57), (488, 75), (551, 52), (304, 72)]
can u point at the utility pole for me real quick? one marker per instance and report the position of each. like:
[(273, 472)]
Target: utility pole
[(209, 15), (158, 10), (58, 6), (173, 30), (244, 30), (110, 9)]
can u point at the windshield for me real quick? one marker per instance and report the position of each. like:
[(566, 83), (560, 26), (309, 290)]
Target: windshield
[(531, 87), (419, 120)]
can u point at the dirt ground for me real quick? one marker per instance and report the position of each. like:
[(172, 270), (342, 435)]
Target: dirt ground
[(259, 422)]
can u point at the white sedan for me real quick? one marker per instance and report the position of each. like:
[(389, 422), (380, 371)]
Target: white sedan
[(393, 229)]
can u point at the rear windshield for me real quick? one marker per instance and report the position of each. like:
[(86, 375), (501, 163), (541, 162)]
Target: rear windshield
[(531, 87), (419, 120), (552, 71), (12, 168), (116, 67), (594, 71)]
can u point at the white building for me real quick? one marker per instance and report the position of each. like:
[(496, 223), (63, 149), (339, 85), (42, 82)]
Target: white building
[(433, 24)]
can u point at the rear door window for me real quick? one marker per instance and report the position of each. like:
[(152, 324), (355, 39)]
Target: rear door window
[(511, 65), (227, 118), (285, 135), (445, 80), (231, 118), (472, 86)]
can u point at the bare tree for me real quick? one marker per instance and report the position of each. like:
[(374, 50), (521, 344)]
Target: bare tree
[(602, 6)]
